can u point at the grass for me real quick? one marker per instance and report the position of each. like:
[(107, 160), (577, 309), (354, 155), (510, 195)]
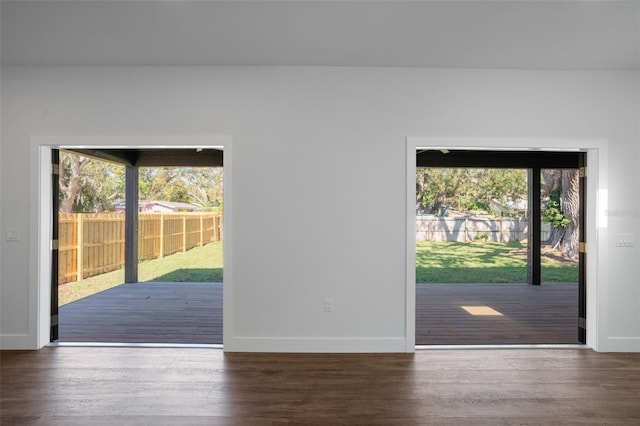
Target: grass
[(436, 262), (477, 262), (200, 264)]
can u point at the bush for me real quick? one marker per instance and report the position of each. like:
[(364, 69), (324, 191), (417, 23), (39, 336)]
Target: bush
[(477, 205), (481, 236), (552, 213)]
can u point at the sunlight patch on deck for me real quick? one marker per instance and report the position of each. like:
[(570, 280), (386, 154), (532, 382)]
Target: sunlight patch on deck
[(481, 310)]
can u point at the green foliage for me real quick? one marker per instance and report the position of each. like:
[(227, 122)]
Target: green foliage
[(481, 236), (200, 186), (93, 185), (478, 205), (468, 188), (552, 213), (89, 185)]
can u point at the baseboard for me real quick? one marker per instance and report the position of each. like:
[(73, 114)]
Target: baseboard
[(16, 341), (622, 344), (314, 345)]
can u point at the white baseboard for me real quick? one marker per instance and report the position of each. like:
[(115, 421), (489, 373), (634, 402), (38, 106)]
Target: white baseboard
[(314, 345), (622, 344), (16, 341)]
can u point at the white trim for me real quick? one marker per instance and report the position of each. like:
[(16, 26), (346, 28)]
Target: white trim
[(623, 344), (15, 341), (597, 184), (227, 245), (40, 217), (134, 345), (410, 251), (314, 345), (471, 347)]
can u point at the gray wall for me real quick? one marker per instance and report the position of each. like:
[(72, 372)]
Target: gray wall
[(313, 149)]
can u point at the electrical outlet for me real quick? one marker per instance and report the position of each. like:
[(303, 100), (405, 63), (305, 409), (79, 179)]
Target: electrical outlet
[(624, 240), (13, 234), (328, 305)]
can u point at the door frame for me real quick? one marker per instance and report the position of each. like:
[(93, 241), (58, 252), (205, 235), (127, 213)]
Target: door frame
[(596, 206), (40, 217)]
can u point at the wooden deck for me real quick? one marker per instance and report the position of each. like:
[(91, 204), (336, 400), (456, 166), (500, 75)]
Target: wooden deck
[(544, 314), (191, 313), (182, 313)]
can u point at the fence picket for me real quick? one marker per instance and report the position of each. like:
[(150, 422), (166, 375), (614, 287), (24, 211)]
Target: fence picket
[(93, 243)]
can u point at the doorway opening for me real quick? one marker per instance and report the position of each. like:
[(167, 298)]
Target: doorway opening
[(161, 234), (499, 251)]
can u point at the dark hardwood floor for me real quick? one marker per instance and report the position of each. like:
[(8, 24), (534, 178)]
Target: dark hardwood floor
[(168, 386), (191, 313)]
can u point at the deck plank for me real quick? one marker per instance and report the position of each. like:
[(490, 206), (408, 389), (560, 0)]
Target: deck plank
[(182, 313), (545, 314), (191, 313)]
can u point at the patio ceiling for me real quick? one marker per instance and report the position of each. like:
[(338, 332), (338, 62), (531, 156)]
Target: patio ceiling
[(156, 157)]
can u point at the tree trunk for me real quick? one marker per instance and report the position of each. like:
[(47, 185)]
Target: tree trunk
[(567, 181), (570, 204), (552, 179), (421, 183), (70, 181)]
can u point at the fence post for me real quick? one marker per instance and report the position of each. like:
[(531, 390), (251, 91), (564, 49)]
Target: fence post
[(464, 226), (161, 255), (79, 247), (201, 230), (184, 233)]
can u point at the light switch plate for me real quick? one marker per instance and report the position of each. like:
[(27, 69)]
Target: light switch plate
[(13, 234), (624, 240)]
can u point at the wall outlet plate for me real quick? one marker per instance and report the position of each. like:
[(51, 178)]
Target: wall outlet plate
[(624, 240), (13, 234)]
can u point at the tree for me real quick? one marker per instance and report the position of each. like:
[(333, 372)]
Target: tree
[(88, 185), (467, 188), (200, 186), (70, 180), (562, 209), (204, 186), (160, 183)]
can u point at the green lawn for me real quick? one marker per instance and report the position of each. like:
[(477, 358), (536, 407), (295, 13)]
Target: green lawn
[(200, 264), (436, 262), (477, 262)]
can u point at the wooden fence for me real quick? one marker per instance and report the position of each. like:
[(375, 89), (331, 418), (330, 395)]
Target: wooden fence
[(101, 239), (461, 229)]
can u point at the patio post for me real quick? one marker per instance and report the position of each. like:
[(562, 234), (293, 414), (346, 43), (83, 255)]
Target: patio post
[(534, 243), (131, 225)]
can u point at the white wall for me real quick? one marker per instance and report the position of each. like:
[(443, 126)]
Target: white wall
[(319, 161)]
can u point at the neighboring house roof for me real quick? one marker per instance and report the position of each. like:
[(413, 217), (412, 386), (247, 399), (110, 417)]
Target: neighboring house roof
[(170, 205), (520, 206)]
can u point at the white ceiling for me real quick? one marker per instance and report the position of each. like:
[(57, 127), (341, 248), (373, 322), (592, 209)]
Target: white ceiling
[(459, 34)]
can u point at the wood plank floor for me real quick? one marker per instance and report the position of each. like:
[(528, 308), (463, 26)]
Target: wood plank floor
[(544, 314), (192, 313), (168, 386), (146, 313)]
